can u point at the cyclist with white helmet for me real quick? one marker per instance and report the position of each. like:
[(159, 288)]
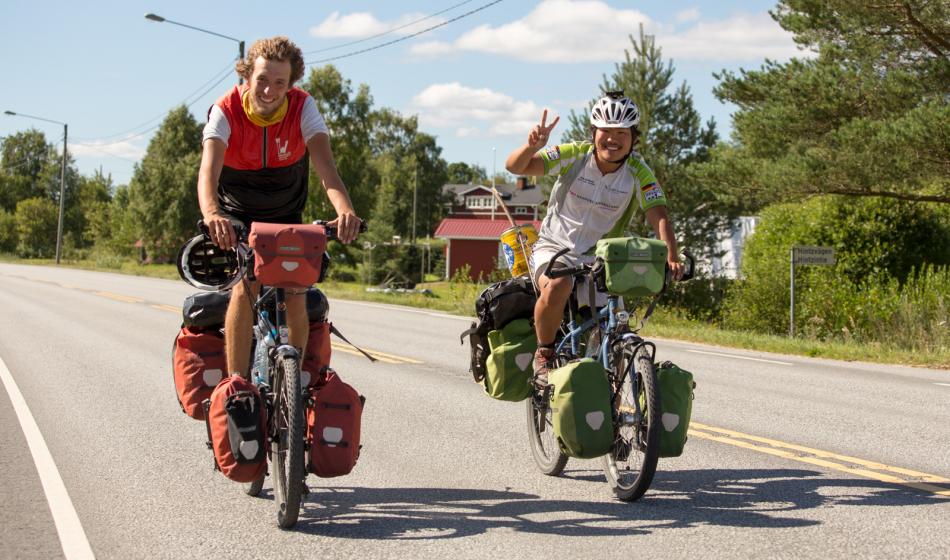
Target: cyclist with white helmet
[(600, 184)]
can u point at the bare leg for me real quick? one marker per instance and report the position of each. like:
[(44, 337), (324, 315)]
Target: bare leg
[(549, 310), (298, 321), (237, 330)]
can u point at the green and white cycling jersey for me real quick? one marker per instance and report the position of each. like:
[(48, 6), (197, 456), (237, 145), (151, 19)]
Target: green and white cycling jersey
[(592, 205)]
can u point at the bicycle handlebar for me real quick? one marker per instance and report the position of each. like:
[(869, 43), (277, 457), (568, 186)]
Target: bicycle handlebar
[(242, 231), (689, 267)]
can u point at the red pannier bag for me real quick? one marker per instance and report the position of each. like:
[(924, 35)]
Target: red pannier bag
[(317, 354), (198, 364), (237, 429), (333, 426), (287, 256)]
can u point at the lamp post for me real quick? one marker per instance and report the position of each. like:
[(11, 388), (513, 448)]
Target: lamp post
[(157, 18), (62, 180)]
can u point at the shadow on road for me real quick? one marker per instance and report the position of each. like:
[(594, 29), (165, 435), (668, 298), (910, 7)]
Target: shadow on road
[(773, 498)]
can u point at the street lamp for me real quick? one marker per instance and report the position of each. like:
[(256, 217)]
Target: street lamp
[(62, 179), (157, 18)]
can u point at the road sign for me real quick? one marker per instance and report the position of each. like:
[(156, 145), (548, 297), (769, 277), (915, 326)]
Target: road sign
[(814, 255)]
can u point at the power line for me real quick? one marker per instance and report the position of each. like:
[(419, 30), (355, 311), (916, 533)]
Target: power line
[(216, 75), (416, 34), (378, 35), (147, 130)]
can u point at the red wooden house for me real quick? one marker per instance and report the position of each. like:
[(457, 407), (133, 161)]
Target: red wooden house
[(475, 221)]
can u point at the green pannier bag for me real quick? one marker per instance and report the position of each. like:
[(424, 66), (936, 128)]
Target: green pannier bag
[(633, 266), (510, 363), (676, 407), (580, 409)]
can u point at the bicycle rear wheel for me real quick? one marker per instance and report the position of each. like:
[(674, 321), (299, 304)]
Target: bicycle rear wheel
[(541, 439), (631, 462), (287, 451)]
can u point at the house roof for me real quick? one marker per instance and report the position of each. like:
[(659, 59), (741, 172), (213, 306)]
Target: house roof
[(509, 193), (464, 228)]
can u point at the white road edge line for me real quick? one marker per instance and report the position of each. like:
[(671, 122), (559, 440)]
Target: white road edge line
[(741, 357), (943, 384), (71, 535), (395, 307)]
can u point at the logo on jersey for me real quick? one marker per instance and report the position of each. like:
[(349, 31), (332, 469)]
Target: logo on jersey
[(652, 192), (553, 153), (282, 152)]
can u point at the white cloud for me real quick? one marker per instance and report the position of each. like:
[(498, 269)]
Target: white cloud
[(692, 14), (475, 111), (577, 31), (556, 31), (358, 25), (741, 37), (123, 149)]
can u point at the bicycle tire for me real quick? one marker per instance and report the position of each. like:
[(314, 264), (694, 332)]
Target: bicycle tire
[(288, 448), (631, 463), (543, 443), (254, 488)]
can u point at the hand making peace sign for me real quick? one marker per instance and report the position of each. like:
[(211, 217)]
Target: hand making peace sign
[(538, 138)]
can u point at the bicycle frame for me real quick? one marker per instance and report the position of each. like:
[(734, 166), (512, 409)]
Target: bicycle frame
[(611, 318), (274, 335)]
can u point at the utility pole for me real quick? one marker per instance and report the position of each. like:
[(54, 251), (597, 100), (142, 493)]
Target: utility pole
[(415, 188)]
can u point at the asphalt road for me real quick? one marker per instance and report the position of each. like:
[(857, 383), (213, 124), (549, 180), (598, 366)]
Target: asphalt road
[(788, 457)]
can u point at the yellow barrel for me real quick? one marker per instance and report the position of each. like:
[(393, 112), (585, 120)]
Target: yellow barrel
[(516, 243)]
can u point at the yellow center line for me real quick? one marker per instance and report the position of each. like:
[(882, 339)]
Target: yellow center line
[(163, 307), (381, 356), (826, 459), (120, 297)]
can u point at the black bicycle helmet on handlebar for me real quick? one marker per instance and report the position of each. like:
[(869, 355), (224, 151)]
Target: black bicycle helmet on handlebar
[(206, 266)]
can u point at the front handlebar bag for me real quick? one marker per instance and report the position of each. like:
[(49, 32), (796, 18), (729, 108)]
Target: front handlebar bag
[(580, 409), (510, 362), (287, 256), (633, 266)]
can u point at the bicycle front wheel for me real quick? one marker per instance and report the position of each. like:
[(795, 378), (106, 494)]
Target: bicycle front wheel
[(631, 462), (287, 449), (541, 439)]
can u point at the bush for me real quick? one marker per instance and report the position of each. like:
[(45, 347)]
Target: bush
[(883, 250), (8, 232), (700, 299), (36, 222)]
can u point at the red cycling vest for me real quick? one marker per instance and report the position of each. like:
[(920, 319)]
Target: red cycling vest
[(265, 168)]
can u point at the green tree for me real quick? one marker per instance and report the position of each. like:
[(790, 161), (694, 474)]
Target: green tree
[(31, 167), (673, 137), (36, 223), (8, 231), (348, 117), (89, 217), (460, 173), (162, 197), (867, 117)]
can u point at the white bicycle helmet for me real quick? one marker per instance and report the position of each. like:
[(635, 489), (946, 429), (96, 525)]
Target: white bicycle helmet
[(614, 111), (206, 266)]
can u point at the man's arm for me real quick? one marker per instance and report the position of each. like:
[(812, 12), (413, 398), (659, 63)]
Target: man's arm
[(661, 224), (219, 226), (321, 155), (525, 160)]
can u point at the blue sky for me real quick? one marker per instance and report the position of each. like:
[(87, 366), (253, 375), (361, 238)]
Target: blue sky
[(477, 83)]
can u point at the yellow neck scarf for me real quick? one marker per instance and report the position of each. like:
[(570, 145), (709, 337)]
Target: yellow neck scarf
[(261, 120)]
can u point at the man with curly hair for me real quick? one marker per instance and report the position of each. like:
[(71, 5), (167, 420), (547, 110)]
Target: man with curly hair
[(256, 149)]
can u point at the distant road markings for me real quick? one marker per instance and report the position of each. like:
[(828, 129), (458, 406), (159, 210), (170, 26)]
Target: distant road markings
[(943, 384), (72, 537), (120, 297), (827, 459), (163, 307), (741, 357)]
